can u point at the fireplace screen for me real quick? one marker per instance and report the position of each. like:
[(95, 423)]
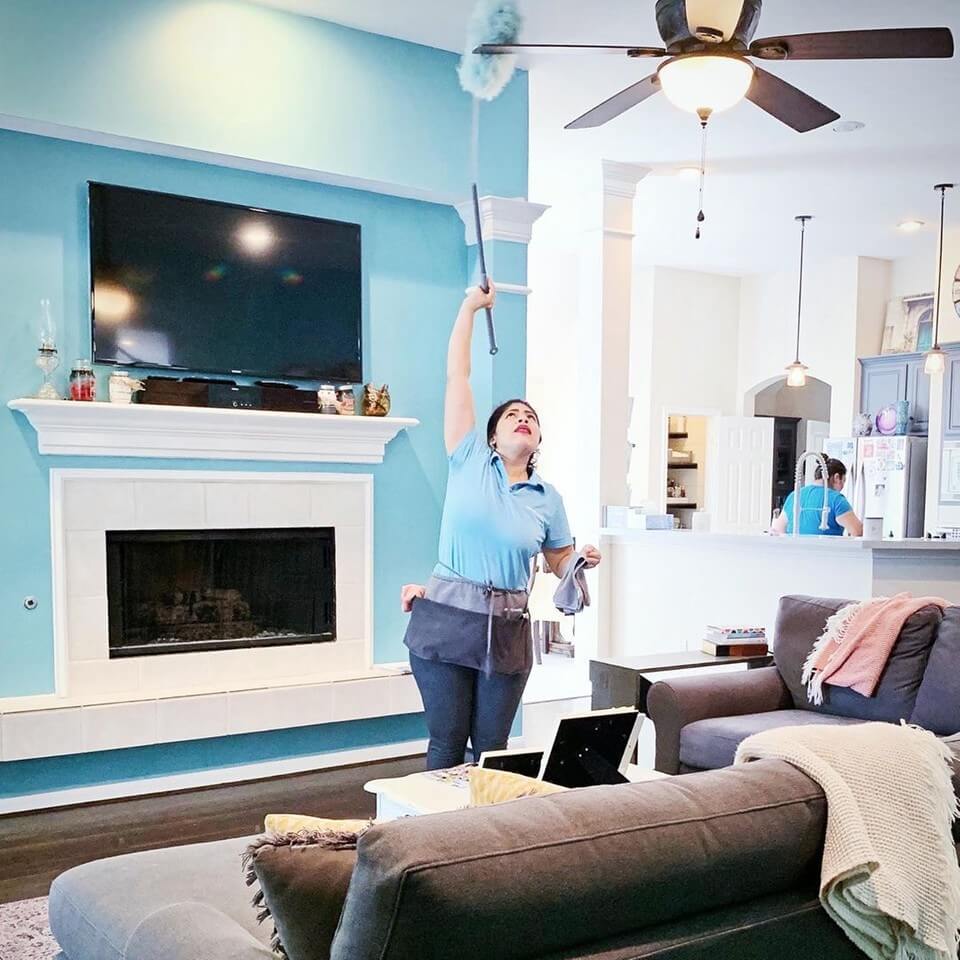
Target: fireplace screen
[(172, 591)]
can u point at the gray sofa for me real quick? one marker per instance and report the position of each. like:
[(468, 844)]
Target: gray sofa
[(720, 864), (701, 720)]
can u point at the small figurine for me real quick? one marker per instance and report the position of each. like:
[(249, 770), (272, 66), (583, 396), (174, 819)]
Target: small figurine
[(376, 400)]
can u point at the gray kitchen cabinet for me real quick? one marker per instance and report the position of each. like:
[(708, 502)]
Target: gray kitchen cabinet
[(884, 381), (918, 393), (951, 419)]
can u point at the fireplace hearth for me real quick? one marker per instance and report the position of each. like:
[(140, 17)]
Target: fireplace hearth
[(175, 591)]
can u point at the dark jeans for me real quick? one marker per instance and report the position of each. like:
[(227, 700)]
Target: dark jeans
[(462, 703)]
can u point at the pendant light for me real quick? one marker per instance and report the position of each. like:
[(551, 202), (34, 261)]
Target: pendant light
[(797, 371), (935, 360)]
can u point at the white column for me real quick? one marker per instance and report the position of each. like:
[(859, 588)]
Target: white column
[(601, 398), (506, 224)]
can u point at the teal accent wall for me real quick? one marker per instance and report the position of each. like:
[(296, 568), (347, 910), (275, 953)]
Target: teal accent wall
[(249, 81), (255, 83), (414, 264)]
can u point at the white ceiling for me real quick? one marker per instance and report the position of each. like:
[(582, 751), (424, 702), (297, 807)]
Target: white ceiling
[(858, 186)]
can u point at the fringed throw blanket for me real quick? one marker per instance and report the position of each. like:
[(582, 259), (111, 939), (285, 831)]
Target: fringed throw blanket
[(856, 644), (889, 876)]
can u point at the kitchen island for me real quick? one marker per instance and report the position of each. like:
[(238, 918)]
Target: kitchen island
[(664, 587)]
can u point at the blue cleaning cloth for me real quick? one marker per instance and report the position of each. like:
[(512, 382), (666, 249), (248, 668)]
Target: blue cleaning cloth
[(572, 594)]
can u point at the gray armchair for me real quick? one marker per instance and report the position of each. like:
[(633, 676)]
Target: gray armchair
[(701, 720)]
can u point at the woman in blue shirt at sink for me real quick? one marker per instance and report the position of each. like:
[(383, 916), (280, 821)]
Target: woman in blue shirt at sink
[(840, 518)]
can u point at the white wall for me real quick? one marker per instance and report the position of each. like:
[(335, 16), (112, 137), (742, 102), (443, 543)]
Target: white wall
[(683, 358), (917, 274), (843, 314)]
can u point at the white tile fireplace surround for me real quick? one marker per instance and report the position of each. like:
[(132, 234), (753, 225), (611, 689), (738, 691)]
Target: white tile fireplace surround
[(103, 703)]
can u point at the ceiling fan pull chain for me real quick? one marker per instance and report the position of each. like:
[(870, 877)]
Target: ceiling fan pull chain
[(701, 216)]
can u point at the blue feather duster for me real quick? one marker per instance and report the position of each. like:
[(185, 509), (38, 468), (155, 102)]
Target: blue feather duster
[(486, 74)]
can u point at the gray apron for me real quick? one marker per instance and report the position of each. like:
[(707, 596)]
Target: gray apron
[(473, 625)]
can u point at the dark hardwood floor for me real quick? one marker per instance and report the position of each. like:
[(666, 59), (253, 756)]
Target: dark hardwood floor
[(39, 846)]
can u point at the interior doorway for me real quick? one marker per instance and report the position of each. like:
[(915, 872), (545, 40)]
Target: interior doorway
[(801, 418)]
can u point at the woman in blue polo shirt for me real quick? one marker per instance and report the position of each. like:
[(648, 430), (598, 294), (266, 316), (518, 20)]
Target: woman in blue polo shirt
[(840, 516), (469, 633)]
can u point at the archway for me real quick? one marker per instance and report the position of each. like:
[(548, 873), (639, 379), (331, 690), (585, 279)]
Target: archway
[(801, 418)]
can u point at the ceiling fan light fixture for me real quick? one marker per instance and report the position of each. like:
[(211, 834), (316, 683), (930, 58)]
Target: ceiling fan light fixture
[(705, 83)]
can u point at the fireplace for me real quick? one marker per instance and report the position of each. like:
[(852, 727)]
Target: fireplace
[(174, 591)]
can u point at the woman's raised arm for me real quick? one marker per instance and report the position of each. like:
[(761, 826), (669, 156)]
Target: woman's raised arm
[(459, 415)]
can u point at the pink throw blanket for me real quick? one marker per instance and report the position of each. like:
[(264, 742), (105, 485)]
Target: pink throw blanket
[(856, 644)]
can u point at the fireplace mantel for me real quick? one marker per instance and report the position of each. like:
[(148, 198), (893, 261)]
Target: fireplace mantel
[(147, 430)]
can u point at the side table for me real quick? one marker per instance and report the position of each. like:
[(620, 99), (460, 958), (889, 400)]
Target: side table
[(625, 681)]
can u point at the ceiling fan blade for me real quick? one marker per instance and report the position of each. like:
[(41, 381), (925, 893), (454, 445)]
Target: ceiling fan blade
[(570, 48), (617, 104), (788, 104), (912, 43)]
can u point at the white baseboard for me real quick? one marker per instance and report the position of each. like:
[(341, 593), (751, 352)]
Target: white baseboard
[(209, 778)]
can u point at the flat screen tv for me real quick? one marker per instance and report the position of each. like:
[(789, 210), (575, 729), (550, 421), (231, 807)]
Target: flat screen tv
[(215, 288)]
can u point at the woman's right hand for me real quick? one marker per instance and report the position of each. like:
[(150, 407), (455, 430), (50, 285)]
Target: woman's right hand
[(476, 299), (410, 592)]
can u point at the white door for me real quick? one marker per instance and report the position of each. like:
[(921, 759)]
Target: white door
[(818, 432), (740, 474)]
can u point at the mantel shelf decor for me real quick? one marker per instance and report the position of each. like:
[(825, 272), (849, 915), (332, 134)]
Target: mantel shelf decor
[(66, 428)]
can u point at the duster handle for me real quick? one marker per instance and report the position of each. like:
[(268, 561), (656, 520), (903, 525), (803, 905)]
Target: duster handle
[(484, 282)]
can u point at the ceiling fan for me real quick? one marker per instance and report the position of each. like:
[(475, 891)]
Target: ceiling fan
[(708, 43)]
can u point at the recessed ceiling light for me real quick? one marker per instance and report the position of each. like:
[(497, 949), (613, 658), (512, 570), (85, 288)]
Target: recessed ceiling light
[(911, 226), (688, 173), (848, 126)]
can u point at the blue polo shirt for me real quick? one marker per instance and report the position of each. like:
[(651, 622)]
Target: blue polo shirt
[(811, 506), (491, 529)]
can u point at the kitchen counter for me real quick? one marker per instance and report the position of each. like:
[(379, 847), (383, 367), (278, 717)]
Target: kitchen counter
[(910, 544), (665, 586)]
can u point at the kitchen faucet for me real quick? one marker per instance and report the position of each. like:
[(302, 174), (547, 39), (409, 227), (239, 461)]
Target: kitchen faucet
[(798, 482)]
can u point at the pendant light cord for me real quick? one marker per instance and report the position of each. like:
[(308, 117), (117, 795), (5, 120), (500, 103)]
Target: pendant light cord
[(942, 187), (803, 232)]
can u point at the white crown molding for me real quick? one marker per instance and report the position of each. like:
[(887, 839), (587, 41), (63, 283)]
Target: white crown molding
[(621, 179), (501, 218), (158, 148), (68, 428)]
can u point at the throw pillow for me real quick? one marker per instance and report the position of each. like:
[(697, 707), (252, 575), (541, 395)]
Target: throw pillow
[(297, 823), (498, 786), (302, 879)]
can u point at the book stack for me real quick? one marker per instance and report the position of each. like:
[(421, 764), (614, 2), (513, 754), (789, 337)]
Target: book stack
[(735, 641)]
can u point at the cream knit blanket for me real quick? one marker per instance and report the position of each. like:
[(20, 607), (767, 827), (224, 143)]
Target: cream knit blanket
[(889, 876)]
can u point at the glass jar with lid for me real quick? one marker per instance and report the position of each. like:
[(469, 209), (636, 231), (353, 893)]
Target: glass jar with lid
[(83, 381)]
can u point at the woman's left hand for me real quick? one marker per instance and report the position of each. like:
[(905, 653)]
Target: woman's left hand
[(592, 555)]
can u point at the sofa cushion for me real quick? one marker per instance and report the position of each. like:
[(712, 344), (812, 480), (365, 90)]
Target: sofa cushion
[(522, 880), (102, 910), (711, 744), (801, 620), (938, 699)]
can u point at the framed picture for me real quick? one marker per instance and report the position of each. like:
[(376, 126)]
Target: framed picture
[(956, 291), (909, 326)]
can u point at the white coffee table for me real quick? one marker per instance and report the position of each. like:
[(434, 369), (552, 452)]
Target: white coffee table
[(417, 794)]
